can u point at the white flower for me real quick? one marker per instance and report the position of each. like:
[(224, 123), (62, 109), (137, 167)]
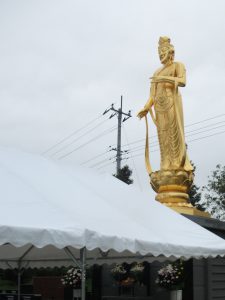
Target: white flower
[(161, 271)]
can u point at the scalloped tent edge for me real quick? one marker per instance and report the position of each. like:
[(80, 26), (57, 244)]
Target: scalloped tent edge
[(53, 213)]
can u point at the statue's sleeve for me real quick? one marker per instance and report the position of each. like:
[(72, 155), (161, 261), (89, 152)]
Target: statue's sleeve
[(153, 87), (181, 74)]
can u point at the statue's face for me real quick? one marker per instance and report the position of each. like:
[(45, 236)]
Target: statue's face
[(165, 55)]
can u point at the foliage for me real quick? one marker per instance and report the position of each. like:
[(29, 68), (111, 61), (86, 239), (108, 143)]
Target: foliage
[(125, 174), (8, 285), (214, 197), (9, 275), (171, 276), (119, 272), (195, 197), (195, 194), (72, 278), (128, 273), (136, 271)]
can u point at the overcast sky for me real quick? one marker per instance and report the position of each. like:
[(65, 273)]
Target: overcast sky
[(62, 63)]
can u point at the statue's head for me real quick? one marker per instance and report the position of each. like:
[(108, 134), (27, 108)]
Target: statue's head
[(166, 50)]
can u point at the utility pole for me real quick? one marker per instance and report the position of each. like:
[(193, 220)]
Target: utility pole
[(119, 112)]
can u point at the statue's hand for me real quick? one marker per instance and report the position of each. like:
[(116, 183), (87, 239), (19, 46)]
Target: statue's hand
[(158, 79), (142, 113)]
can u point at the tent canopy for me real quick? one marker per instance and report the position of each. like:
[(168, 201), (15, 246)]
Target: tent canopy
[(50, 206)]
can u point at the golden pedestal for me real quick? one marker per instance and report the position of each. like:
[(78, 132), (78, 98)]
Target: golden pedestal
[(172, 189), (188, 209)]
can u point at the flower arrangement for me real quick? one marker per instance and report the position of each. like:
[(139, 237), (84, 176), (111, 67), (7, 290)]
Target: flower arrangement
[(171, 276), (126, 274), (119, 272), (136, 271), (72, 278)]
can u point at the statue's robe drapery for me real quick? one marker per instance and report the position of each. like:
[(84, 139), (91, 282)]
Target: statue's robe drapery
[(167, 104)]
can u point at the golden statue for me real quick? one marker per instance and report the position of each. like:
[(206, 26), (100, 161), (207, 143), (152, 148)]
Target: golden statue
[(173, 181)]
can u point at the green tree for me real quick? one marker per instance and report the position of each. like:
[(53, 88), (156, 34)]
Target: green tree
[(195, 194), (125, 175), (214, 193)]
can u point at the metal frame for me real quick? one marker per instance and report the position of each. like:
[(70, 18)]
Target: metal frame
[(81, 265)]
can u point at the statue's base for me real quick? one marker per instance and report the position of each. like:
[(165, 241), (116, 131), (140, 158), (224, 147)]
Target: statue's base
[(172, 191), (188, 209)]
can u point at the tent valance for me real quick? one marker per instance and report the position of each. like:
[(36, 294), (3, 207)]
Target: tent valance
[(52, 206)]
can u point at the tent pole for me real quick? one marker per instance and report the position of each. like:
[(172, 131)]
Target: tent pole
[(18, 282), (83, 268), (20, 271)]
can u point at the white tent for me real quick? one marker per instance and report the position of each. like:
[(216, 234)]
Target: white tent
[(49, 211)]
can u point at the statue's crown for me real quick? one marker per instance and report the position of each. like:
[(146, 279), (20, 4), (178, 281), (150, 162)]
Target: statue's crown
[(164, 41)]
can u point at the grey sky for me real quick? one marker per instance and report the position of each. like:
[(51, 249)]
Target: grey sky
[(62, 63)]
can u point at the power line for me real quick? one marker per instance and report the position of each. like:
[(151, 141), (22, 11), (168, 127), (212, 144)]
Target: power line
[(90, 141), (101, 162), (205, 130), (213, 124), (205, 120), (207, 136), (138, 179), (93, 158), (119, 112), (77, 139), (107, 165), (190, 141), (154, 144), (189, 125), (156, 150), (70, 135)]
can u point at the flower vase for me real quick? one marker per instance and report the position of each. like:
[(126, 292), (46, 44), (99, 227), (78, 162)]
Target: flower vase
[(176, 295), (76, 294)]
